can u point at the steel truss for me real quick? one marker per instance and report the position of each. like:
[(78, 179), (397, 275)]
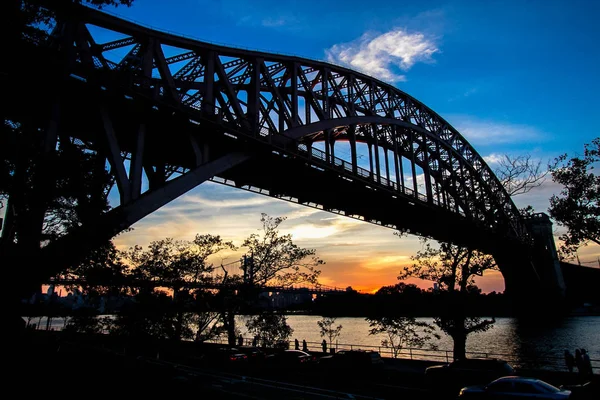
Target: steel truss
[(170, 112)]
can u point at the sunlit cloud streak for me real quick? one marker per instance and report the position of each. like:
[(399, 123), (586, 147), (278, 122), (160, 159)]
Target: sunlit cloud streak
[(487, 132), (381, 55)]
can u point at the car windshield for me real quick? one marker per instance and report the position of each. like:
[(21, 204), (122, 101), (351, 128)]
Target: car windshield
[(547, 387)]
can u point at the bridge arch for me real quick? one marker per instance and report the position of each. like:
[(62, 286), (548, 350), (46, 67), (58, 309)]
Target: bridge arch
[(178, 112)]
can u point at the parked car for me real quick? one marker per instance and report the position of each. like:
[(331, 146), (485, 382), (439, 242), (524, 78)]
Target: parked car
[(585, 391), (254, 354), (290, 358), (225, 356), (468, 371), (352, 359), (353, 364), (515, 387)]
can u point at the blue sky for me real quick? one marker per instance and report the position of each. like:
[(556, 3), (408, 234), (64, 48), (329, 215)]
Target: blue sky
[(513, 77)]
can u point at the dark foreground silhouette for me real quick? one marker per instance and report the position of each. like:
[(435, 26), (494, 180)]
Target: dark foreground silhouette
[(106, 366)]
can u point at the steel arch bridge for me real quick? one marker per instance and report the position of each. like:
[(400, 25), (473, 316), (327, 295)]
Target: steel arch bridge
[(168, 113)]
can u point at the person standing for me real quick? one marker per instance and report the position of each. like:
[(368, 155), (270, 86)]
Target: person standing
[(586, 363), (304, 346), (569, 360), (324, 345), (579, 361), (296, 344)]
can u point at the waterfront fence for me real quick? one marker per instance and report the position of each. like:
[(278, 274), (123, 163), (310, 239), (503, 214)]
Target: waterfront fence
[(554, 363)]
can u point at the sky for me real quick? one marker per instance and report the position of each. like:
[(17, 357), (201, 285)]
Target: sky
[(514, 78)]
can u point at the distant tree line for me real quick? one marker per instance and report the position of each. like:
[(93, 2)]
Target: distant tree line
[(404, 300)]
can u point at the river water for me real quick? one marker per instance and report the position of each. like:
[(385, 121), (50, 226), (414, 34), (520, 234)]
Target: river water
[(535, 344), (524, 344)]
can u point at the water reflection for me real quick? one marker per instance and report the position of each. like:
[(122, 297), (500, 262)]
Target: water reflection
[(527, 342), (537, 342)]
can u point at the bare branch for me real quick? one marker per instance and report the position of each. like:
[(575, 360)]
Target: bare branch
[(520, 174)]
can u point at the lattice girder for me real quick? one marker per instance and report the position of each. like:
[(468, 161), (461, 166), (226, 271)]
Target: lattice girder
[(275, 98)]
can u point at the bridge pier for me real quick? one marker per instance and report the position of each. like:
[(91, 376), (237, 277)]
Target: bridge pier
[(532, 274)]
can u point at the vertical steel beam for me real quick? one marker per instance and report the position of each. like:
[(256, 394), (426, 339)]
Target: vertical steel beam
[(327, 135), (325, 90), (427, 170), (352, 135), (332, 141), (196, 149), (254, 97), (208, 99), (147, 62), (413, 163), (373, 128), (387, 164), (397, 159), (370, 146), (350, 102), (294, 93)]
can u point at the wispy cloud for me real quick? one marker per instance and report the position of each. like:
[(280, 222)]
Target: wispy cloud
[(493, 158), (487, 132), (245, 201), (380, 55), (273, 22), (287, 21), (467, 93)]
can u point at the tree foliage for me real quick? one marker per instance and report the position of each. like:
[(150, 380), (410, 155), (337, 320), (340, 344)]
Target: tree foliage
[(454, 269), (578, 205), (153, 315), (176, 262), (102, 272), (271, 329), (327, 329), (276, 259), (402, 332)]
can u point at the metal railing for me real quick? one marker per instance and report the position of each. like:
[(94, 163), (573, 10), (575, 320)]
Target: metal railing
[(554, 363)]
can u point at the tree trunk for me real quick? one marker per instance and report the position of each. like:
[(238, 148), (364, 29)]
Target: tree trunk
[(179, 314), (459, 336), (230, 324)]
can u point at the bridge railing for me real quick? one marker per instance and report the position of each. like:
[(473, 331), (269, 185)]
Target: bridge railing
[(316, 154)]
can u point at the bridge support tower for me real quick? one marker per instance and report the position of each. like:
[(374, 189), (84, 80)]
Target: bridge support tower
[(532, 274)]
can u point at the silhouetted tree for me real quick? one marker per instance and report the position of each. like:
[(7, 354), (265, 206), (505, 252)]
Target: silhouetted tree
[(102, 272), (453, 268), (42, 194), (273, 259), (276, 259), (402, 332), (176, 264), (271, 328), (578, 205), (399, 288), (152, 315), (328, 330), (85, 320)]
